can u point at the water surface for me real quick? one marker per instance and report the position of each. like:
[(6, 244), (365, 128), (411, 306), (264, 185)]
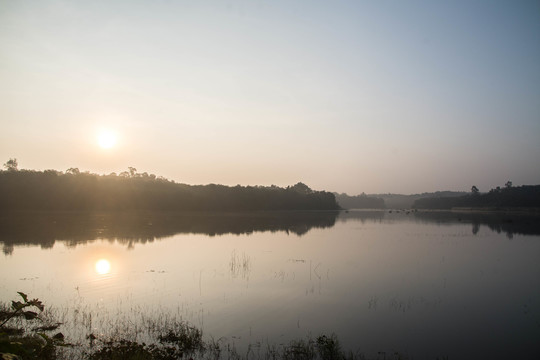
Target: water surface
[(462, 285)]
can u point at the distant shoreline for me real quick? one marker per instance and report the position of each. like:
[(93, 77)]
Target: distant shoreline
[(516, 210)]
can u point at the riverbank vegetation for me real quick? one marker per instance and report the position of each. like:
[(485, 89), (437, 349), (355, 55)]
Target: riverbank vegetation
[(73, 190), (35, 334)]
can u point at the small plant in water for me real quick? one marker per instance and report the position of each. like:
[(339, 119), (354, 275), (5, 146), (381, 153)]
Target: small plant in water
[(175, 343), (186, 338), (125, 349), (328, 347)]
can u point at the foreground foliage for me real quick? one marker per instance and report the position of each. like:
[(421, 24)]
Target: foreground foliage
[(21, 339), (17, 342)]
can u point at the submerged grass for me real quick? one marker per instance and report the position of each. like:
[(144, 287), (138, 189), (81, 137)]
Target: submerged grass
[(153, 338)]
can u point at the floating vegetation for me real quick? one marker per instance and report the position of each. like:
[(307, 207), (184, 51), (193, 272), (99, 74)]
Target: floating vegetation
[(297, 260), (240, 265)]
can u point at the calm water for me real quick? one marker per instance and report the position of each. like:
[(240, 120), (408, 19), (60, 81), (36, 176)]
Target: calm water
[(423, 284)]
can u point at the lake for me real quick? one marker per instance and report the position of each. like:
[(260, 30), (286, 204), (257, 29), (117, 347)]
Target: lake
[(424, 284)]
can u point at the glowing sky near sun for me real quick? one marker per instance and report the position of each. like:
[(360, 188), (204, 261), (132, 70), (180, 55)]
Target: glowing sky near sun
[(345, 96)]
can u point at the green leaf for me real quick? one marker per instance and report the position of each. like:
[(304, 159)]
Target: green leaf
[(10, 356), (45, 337), (30, 315), (17, 305), (23, 295), (37, 304)]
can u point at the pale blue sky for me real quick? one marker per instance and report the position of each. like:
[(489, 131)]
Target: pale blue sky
[(347, 96)]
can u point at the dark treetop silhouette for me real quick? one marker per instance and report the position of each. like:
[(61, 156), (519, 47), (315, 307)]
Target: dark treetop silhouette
[(526, 196), (50, 190)]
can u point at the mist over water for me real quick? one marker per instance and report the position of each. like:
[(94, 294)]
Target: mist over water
[(422, 284)]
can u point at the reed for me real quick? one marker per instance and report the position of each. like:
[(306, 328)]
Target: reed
[(155, 336)]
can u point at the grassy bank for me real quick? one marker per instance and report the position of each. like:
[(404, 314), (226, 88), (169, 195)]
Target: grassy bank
[(29, 330)]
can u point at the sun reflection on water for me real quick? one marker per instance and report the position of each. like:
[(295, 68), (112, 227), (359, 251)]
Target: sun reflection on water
[(103, 267)]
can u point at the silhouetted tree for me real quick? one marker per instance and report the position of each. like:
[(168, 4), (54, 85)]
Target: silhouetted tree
[(73, 171), (11, 165), (508, 184), (302, 188), (475, 190)]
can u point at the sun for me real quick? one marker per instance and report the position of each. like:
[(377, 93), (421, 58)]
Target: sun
[(106, 139), (103, 267)]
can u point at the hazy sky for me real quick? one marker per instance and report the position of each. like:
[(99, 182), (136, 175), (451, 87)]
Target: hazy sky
[(347, 96)]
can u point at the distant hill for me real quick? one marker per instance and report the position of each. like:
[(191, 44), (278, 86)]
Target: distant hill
[(527, 196), (398, 201), (50, 190), (362, 201)]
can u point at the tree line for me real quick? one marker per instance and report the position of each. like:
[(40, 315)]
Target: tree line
[(73, 190), (509, 196), (361, 201)]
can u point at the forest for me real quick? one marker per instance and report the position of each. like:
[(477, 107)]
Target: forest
[(51, 190), (526, 196)]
